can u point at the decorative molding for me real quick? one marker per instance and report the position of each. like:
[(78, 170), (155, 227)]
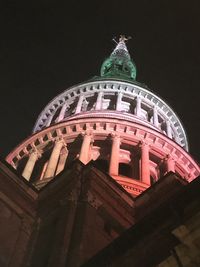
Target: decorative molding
[(107, 87), (159, 144)]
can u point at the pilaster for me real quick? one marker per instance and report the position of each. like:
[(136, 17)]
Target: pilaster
[(86, 145), (114, 156), (145, 168)]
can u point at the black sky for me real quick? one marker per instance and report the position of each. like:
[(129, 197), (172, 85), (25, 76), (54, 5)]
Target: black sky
[(46, 46)]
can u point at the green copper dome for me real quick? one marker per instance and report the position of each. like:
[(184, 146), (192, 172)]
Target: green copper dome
[(119, 64)]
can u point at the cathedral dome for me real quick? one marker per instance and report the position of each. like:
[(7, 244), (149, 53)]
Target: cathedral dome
[(119, 123)]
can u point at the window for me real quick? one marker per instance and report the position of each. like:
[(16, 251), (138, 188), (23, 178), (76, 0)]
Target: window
[(125, 169)]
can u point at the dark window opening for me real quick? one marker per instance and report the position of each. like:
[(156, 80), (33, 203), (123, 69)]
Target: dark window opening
[(131, 102), (125, 169), (90, 103), (21, 164), (70, 111), (112, 103), (56, 114), (102, 164)]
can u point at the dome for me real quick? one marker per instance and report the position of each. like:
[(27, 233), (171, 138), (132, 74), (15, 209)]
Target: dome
[(113, 120), (119, 64)]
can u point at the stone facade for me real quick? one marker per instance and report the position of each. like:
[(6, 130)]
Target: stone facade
[(66, 222), (165, 233)]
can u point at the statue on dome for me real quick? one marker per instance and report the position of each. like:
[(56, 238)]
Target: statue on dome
[(123, 38)]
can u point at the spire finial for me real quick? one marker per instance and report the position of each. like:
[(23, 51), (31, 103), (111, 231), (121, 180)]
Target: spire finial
[(123, 38), (121, 46), (119, 64)]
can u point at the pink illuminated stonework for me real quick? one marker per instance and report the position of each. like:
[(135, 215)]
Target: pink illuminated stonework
[(129, 132)]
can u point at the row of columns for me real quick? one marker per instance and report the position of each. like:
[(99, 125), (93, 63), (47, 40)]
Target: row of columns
[(54, 165), (98, 106), (53, 161), (59, 156), (144, 159), (144, 170)]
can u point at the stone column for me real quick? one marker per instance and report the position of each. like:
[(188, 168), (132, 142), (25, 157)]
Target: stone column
[(53, 161), (168, 129), (114, 156), (98, 105), (33, 157), (62, 112), (138, 111), (145, 168), (155, 116), (43, 170), (79, 105), (85, 148), (169, 164), (49, 119), (62, 160), (119, 99)]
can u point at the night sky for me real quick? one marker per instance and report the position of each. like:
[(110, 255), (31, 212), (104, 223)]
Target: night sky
[(47, 46)]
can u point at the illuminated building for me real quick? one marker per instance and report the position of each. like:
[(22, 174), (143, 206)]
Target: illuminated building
[(111, 119), (94, 148)]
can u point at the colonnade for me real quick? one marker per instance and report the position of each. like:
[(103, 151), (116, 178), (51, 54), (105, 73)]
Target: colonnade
[(138, 110), (59, 154)]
